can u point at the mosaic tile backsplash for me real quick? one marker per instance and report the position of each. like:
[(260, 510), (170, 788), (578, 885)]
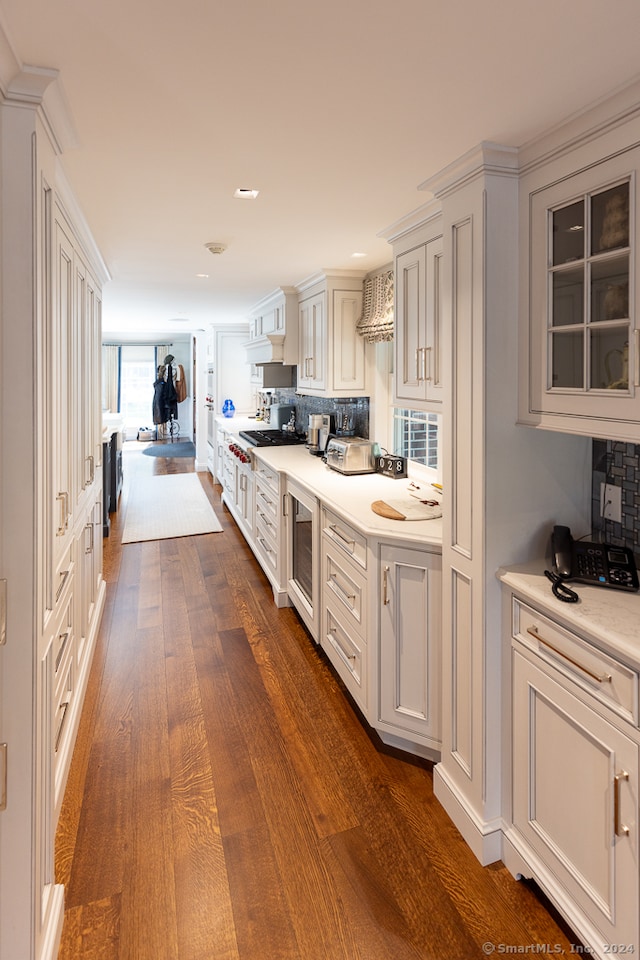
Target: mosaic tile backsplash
[(358, 409), (618, 463)]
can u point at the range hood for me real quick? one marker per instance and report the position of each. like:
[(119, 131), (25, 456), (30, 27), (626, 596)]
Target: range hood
[(269, 348), (273, 328)]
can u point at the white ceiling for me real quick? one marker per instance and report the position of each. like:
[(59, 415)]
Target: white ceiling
[(335, 112)]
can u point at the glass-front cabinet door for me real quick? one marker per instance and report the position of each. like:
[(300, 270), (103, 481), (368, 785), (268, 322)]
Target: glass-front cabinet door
[(582, 297)]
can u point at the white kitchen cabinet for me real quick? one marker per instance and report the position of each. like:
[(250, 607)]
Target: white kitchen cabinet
[(574, 772), (332, 357), (410, 642), (419, 360), (228, 370), (580, 369), (269, 530), (345, 620), (52, 485)]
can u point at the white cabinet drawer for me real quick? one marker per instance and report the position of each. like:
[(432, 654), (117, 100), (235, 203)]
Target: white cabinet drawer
[(345, 536), (347, 653), (267, 519), (267, 502), (610, 681), (266, 545), (346, 584), (267, 478)]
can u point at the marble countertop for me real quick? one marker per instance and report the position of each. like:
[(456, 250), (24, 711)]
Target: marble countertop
[(348, 496), (609, 618)]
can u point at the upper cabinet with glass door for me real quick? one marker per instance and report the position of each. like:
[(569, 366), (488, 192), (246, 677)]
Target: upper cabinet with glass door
[(583, 356)]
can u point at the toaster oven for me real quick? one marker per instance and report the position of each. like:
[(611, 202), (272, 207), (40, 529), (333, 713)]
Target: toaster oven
[(350, 455)]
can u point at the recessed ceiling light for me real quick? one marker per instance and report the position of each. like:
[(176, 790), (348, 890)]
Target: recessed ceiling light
[(202, 276), (178, 320), (245, 193), (358, 254)]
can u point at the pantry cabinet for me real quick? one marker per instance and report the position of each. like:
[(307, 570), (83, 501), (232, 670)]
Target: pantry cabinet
[(419, 358), (51, 520), (580, 370), (410, 645), (332, 357)]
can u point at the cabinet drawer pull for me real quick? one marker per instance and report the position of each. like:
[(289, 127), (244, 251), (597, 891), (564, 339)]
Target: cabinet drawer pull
[(64, 513), (64, 637), (348, 656), (265, 545), (427, 364), (334, 529), (385, 595), (64, 576), (89, 528), (620, 829), (340, 588), (601, 678), (65, 706)]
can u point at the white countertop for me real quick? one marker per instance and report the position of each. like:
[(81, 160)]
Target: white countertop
[(349, 496), (608, 617)]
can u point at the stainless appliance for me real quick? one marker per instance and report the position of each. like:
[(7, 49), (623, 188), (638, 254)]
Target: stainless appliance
[(326, 429), (302, 518), (351, 455), (270, 438), (280, 414), (313, 433)]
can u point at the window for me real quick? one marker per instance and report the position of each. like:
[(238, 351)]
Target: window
[(416, 436), (137, 376)]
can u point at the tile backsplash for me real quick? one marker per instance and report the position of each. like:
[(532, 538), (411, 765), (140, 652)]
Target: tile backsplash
[(618, 463), (305, 405)]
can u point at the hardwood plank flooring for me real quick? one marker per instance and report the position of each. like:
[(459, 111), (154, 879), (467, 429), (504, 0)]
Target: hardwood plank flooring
[(226, 803)]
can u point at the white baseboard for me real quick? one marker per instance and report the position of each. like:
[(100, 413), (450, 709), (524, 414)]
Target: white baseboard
[(484, 837)]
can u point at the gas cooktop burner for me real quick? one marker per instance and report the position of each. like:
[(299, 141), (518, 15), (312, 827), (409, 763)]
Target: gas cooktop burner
[(270, 438)]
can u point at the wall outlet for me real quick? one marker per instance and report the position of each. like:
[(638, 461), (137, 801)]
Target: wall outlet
[(611, 502)]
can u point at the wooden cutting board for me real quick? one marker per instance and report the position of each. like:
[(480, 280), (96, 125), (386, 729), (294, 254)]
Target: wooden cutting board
[(405, 510)]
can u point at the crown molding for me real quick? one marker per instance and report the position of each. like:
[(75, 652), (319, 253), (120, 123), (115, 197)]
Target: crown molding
[(423, 215), (485, 158)]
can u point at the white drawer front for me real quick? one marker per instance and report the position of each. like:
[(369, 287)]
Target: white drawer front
[(346, 584), (347, 653), (602, 675), (266, 545), (267, 501), (350, 540), (267, 478)]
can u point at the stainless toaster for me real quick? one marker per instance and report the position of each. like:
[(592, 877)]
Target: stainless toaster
[(350, 455)]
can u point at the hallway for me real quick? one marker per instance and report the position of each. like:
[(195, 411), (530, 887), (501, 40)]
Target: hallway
[(224, 801)]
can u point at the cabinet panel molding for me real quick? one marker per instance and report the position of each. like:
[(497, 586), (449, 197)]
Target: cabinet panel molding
[(462, 645), (464, 347)]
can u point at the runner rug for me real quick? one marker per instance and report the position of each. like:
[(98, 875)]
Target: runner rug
[(171, 506)]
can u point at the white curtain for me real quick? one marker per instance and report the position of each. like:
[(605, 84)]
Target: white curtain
[(162, 350), (110, 377)]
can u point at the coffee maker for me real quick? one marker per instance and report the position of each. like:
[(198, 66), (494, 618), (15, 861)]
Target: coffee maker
[(318, 432), (313, 433)]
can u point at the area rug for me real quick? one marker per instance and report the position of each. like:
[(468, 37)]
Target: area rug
[(182, 448), (163, 507)]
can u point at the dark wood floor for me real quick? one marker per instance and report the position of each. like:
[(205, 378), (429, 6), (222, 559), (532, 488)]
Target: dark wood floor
[(224, 800)]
